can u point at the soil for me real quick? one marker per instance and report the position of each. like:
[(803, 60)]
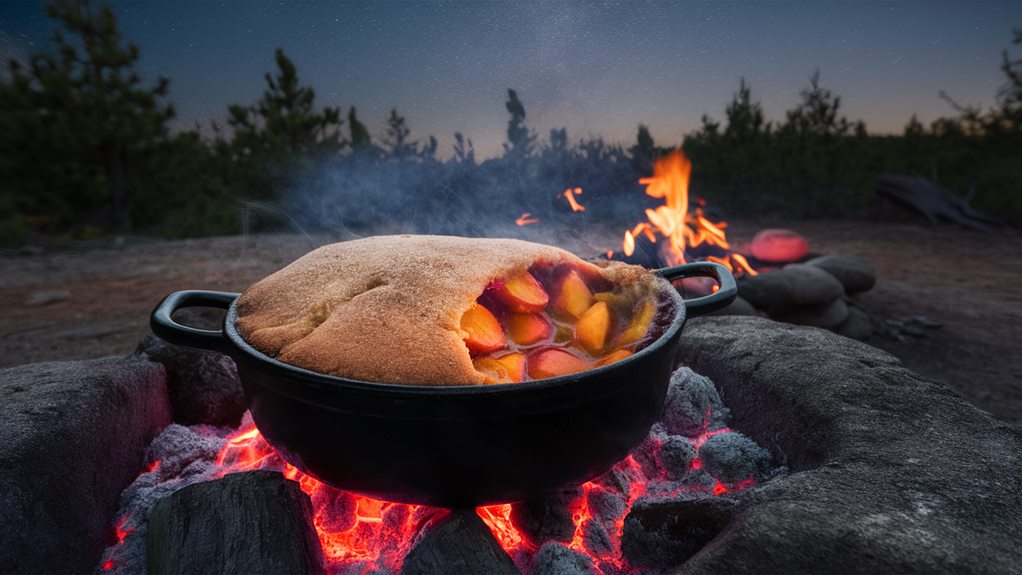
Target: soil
[(957, 291)]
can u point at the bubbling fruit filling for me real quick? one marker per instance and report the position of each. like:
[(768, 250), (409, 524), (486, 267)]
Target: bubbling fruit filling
[(554, 320)]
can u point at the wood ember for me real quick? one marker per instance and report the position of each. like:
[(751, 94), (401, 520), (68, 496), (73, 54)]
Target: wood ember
[(546, 519), (459, 543), (255, 522)]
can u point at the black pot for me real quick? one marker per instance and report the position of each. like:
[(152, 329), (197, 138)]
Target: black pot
[(451, 446)]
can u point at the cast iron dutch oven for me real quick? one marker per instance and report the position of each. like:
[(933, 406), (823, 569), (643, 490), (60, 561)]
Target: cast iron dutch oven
[(452, 446)]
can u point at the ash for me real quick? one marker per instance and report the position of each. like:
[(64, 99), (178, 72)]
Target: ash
[(653, 510)]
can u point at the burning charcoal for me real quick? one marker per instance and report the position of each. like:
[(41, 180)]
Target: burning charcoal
[(645, 453), (857, 325), (177, 447), (827, 316), (204, 386), (693, 405), (732, 457), (596, 538), (338, 507), (664, 533), (458, 543), (620, 479), (72, 439), (255, 522), (794, 285), (675, 456), (606, 506), (854, 274), (556, 559), (737, 307), (544, 519)]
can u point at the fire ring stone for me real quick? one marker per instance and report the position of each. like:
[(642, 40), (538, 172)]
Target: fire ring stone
[(889, 472)]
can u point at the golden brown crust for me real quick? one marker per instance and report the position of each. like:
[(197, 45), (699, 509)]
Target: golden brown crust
[(388, 308)]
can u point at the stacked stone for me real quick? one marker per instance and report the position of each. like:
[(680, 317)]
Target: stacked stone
[(819, 292)]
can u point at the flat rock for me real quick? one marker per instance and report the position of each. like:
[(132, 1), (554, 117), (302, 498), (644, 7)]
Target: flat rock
[(854, 274), (792, 285), (253, 522), (203, 385), (72, 439), (857, 325), (458, 543), (890, 472), (826, 315), (737, 307)]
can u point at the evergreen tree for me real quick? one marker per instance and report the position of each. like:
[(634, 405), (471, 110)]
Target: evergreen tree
[(397, 141), (360, 139), (644, 151), (520, 140), (464, 151), (78, 129)]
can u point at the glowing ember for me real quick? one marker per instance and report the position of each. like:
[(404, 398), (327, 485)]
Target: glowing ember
[(569, 195), (682, 229), (525, 219)]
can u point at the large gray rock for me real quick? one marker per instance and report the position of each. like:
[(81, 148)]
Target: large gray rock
[(854, 274), (792, 285), (72, 439), (890, 472), (827, 315), (203, 385), (857, 325)]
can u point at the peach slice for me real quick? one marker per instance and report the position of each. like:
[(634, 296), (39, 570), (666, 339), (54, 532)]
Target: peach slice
[(552, 362), (637, 328), (593, 328), (523, 294), (483, 331), (527, 328), (614, 357), (573, 298), (509, 368)]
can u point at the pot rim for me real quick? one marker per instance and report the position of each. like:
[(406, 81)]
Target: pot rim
[(343, 383)]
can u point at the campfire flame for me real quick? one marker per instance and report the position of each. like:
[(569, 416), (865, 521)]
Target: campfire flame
[(674, 222)]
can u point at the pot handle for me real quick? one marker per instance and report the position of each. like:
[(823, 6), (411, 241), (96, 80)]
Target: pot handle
[(726, 293), (164, 326)]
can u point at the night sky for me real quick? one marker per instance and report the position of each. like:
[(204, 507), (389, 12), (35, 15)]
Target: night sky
[(597, 69)]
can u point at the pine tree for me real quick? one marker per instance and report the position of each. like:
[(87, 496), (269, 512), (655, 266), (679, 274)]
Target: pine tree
[(78, 128), (520, 140), (397, 141), (360, 139)]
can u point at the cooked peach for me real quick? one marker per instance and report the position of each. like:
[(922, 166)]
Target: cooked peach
[(514, 362), (637, 328), (573, 296), (616, 356), (527, 328), (483, 331), (593, 328), (614, 300), (509, 368), (523, 294), (552, 362)]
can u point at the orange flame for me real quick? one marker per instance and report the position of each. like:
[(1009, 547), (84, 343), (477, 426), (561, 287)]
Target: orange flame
[(673, 221), (569, 195), (525, 219)]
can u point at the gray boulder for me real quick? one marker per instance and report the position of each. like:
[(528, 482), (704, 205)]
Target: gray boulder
[(737, 307), (826, 315), (203, 385), (854, 274), (857, 325), (890, 472), (792, 285), (72, 438)]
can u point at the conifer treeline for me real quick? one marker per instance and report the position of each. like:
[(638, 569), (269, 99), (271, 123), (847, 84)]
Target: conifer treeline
[(85, 149)]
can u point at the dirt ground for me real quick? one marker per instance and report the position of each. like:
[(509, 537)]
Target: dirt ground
[(94, 300)]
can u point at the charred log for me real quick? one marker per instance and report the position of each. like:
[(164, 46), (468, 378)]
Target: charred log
[(255, 522)]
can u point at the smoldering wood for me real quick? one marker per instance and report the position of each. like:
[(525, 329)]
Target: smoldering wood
[(254, 522), (459, 543)]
